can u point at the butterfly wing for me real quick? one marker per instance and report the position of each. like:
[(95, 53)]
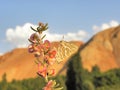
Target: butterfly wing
[(65, 50)]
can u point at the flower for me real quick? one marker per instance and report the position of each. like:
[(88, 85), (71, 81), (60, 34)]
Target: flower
[(42, 70), (34, 38), (30, 48), (49, 60), (51, 72), (37, 54), (52, 54), (47, 42), (48, 86), (36, 49)]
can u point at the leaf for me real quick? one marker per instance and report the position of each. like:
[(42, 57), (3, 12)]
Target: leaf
[(57, 85), (36, 62), (54, 83), (60, 88), (33, 29), (43, 37), (30, 40)]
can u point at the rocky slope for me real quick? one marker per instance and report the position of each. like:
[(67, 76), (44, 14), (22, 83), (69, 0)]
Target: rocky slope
[(103, 49)]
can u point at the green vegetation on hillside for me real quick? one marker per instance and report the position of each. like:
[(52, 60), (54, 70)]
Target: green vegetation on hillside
[(80, 79), (28, 84)]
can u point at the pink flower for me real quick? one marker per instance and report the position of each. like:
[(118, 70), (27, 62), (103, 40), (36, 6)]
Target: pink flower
[(48, 86), (31, 48), (52, 54), (42, 70), (36, 49), (34, 38), (51, 72), (47, 44), (37, 54), (49, 60)]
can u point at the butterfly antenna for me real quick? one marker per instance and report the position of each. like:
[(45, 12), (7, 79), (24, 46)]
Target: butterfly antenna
[(63, 38)]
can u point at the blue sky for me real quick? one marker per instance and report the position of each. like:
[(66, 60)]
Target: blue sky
[(63, 16)]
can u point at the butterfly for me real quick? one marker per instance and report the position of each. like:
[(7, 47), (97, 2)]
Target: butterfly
[(65, 50)]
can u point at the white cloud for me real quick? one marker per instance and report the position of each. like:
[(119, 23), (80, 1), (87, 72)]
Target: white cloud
[(80, 35), (104, 26), (1, 54), (19, 36)]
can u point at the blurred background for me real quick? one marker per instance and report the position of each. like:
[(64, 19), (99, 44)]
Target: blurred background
[(92, 26)]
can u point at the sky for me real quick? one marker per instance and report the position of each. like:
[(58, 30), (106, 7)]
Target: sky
[(73, 19)]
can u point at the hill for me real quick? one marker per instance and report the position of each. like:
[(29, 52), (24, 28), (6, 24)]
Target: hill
[(19, 63), (102, 49)]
